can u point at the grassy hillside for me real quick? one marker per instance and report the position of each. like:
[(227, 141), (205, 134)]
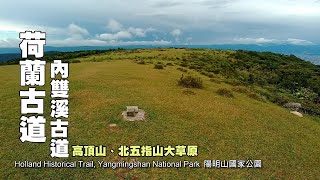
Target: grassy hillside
[(243, 127)]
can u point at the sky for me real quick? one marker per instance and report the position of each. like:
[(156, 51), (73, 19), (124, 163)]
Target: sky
[(166, 22)]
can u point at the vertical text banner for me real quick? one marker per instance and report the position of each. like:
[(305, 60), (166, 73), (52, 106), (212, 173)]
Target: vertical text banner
[(32, 75), (32, 121)]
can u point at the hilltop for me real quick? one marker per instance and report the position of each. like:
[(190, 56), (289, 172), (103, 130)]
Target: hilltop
[(307, 52), (236, 113), (277, 78)]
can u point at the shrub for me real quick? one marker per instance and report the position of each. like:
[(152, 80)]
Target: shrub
[(215, 80), (141, 62), (225, 92), (280, 99), (311, 109), (184, 64), (158, 66), (96, 60), (161, 64), (265, 93), (210, 75), (233, 82), (190, 82), (75, 61), (169, 64), (182, 69), (256, 97), (306, 94), (242, 90), (192, 67), (149, 62)]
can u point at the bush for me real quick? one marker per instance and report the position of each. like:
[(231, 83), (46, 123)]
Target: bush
[(225, 92), (311, 109), (306, 94), (169, 64), (141, 62), (215, 80), (190, 82), (182, 69), (76, 61), (158, 66), (280, 99), (184, 64), (265, 93), (256, 97), (96, 60), (192, 67), (242, 90), (210, 75), (149, 62), (233, 82)]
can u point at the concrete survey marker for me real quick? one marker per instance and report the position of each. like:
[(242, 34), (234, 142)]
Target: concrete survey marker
[(296, 113), (133, 113), (113, 125)]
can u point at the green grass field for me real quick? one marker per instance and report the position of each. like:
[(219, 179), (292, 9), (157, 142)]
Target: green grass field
[(222, 128)]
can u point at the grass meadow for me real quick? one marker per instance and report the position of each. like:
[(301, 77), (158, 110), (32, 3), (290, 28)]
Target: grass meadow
[(223, 128)]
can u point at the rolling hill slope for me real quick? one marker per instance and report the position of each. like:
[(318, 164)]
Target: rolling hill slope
[(223, 128)]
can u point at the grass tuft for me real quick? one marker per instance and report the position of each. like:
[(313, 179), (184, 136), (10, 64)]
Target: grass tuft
[(158, 66), (225, 92), (190, 81)]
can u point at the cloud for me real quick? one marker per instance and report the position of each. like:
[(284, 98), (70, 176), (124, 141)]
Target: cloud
[(114, 25), (77, 42), (292, 41), (95, 42), (154, 43), (137, 31), (189, 39), (10, 28), (215, 3), (273, 20), (254, 40), (76, 35), (9, 43), (163, 4), (299, 41), (140, 32), (115, 36), (120, 32), (71, 32), (74, 29), (176, 32)]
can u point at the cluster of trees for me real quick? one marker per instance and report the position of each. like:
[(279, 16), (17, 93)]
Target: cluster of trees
[(52, 55), (285, 77), (284, 71)]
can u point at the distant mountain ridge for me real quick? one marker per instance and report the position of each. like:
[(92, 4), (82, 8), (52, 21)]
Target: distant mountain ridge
[(306, 52), (9, 56)]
